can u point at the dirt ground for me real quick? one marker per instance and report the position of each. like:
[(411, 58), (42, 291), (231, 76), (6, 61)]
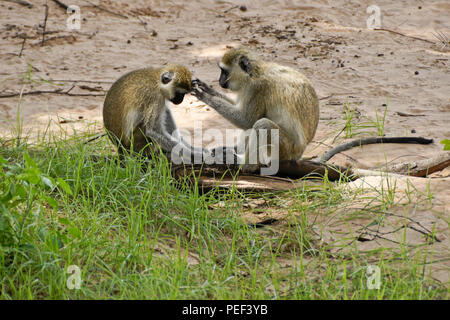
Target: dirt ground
[(407, 74)]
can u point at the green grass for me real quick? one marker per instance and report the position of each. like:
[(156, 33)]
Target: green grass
[(136, 233), (356, 125)]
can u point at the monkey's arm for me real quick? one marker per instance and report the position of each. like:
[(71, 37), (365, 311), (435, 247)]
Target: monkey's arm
[(359, 142), (172, 130), (243, 118), (168, 143), (206, 88)]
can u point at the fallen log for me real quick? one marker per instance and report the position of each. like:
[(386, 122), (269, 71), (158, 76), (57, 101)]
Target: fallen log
[(295, 174), (421, 168), (225, 176)]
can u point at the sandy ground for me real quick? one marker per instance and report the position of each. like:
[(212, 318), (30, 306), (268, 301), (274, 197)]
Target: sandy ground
[(326, 40)]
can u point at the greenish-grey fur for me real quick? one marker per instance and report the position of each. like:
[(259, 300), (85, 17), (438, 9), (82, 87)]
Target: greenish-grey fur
[(136, 101), (269, 89)]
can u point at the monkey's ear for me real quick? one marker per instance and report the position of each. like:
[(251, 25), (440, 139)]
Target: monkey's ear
[(166, 77), (244, 63)]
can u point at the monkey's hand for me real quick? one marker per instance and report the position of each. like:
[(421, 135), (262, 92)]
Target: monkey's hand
[(199, 85)]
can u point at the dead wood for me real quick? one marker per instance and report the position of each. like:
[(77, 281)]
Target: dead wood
[(61, 4), (404, 35), (421, 168), (22, 3), (225, 176), (106, 10), (45, 23)]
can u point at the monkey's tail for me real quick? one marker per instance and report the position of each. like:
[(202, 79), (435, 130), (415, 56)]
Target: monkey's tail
[(359, 142)]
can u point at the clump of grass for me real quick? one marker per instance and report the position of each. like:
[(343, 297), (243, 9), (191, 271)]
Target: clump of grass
[(356, 125), (135, 232)]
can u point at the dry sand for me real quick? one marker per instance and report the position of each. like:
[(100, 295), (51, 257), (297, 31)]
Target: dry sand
[(326, 40)]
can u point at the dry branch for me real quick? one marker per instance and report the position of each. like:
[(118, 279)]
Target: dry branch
[(21, 2), (402, 34), (23, 45), (16, 94), (422, 168), (61, 4), (106, 10), (45, 23)]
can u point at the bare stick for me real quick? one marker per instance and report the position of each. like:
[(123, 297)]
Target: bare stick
[(78, 80), (359, 142), (45, 23), (402, 34), (21, 2), (67, 93), (23, 44), (422, 168), (61, 4), (106, 10)]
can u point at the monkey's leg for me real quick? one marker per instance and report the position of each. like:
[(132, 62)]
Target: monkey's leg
[(168, 143), (255, 142)]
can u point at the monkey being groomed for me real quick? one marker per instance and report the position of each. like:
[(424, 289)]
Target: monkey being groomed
[(136, 113), (271, 96)]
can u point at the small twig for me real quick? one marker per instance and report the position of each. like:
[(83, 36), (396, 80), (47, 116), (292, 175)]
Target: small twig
[(23, 44), (323, 98), (402, 34), (45, 23), (106, 10), (78, 80), (442, 38), (15, 94), (402, 114), (61, 4), (21, 2), (229, 9), (143, 23)]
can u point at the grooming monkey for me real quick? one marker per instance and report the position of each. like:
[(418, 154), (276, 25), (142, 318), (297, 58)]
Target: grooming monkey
[(269, 96), (136, 110)]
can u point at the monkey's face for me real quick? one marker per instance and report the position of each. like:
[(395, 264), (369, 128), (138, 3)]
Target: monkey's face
[(224, 76), (173, 89), (234, 77)]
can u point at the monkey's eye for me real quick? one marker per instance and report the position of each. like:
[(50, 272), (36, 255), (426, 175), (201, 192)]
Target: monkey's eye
[(166, 77)]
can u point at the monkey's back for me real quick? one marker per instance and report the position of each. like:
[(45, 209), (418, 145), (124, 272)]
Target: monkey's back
[(125, 105), (293, 101)]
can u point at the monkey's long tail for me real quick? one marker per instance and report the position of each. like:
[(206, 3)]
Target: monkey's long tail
[(359, 142)]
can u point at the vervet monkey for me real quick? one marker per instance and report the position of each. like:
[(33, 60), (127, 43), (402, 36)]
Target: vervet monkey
[(269, 96), (136, 109)]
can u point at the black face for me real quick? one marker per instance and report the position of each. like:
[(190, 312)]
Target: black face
[(178, 98), (223, 80)]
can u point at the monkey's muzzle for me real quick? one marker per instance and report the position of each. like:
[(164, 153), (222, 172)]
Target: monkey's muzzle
[(178, 98)]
